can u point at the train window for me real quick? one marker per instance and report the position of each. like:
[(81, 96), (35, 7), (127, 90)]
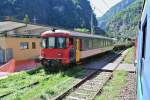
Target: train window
[(140, 25), (61, 42), (85, 44), (106, 42), (102, 43), (90, 44), (144, 39), (54, 42), (43, 43), (51, 42)]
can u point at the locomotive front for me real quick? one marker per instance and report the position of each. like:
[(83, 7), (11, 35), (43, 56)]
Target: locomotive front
[(55, 49)]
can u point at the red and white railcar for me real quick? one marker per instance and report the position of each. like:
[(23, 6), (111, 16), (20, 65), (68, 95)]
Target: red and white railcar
[(65, 47)]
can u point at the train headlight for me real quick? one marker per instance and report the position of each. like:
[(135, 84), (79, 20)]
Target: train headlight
[(59, 55)]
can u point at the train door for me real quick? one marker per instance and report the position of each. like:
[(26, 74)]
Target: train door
[(72, 50), (146, 56), (143, 66), (78, 41), (144, 34)]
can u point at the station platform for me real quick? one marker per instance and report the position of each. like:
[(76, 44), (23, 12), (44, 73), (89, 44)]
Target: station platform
[(103, 64), (110, 67)]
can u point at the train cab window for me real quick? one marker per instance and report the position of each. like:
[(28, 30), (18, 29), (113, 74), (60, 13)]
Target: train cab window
[(44, 43), (51, 42), (144, 39), (54, 42), (60, 42)]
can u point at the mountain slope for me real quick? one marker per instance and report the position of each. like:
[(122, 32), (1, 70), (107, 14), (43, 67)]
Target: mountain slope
[(62, 13), (125, 23), (102, 21)]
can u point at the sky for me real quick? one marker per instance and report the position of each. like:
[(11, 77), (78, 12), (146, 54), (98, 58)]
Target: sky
[(102, 6)]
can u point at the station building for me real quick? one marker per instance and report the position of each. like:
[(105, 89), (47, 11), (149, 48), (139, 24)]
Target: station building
[(19, 42)]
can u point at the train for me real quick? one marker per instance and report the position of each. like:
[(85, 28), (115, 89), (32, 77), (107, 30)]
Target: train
[(143, 55), (68, 47)]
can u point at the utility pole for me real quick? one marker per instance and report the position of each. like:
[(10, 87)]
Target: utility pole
[(92, 23), (92, 30), (34, 20)]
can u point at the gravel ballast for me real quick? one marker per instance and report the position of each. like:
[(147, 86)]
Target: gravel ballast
[(128, 92)]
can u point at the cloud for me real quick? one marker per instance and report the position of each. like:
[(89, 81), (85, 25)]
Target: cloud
[(102, 6)]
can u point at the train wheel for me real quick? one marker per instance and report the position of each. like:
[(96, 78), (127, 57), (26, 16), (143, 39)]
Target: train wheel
[(46, 65), (44, 62)]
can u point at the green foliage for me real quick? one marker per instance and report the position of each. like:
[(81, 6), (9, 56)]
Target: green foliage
[(26, 19), (111, 90), (125, 23), (21, 85), (129, 59), (83, 30), (59, 13), (114, 10)]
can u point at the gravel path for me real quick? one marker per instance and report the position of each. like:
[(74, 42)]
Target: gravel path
[(128, 92)]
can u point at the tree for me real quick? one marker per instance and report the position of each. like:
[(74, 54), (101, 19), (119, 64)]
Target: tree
[(26, 19), (83, 30)]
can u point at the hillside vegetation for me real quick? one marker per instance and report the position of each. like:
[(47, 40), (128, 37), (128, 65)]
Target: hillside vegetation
[(62, 13), (102, 21), (125, 23)]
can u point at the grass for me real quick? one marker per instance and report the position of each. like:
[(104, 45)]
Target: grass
[(130, 56), (111, 90), (49, 85)]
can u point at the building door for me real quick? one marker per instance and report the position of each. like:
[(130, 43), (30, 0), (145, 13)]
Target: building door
[(9, 54), (2, 56)]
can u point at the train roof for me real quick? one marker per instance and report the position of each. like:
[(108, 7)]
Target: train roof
[(75, 34)]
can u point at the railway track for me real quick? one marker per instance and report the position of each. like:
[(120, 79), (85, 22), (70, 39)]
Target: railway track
[(91, 85), (89, 89)]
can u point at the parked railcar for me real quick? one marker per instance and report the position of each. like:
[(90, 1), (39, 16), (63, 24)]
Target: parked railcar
[(65, 47), (143, 55)]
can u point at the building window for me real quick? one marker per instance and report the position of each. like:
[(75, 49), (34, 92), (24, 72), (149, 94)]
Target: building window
[(33, 45), (24, 45)]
